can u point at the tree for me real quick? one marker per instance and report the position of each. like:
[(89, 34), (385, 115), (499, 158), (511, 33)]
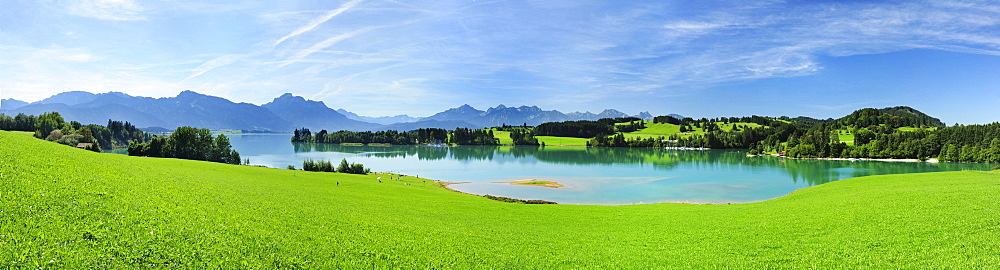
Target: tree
[(344, 166), (666, 119), (46, 123), (188, 143)]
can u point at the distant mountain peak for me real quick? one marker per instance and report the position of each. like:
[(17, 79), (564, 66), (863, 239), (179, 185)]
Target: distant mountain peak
[(188, 94), (289, 98), (118, 94), (69, 98), (382, 120), (465, 109), (313, 114), (529, 108), (11, 104), (495, 109)]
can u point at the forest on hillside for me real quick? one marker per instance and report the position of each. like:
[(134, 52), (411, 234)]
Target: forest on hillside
[(52, 127), (897, 133)]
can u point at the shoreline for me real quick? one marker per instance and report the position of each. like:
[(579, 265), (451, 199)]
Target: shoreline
[(930, 160)]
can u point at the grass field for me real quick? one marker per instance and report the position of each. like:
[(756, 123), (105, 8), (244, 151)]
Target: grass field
[(62, 207), (504, 137), (27, 133), (845, 136), (567, 141), (915, 128)]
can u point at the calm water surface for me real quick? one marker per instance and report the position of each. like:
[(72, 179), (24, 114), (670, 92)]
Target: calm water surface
[(591, 175)]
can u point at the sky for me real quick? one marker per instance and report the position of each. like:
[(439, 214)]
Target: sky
[(822, 59)]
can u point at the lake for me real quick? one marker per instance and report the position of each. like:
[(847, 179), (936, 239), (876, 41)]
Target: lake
[(608, 176)]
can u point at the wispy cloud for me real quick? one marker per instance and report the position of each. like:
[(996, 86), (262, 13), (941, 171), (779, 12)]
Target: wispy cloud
[(114, 10), (213, 64), (301, 55), (319, 20)]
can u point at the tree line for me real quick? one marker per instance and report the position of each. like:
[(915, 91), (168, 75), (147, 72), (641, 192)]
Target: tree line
[(188, 143), (589, 129), (52, 127), (419, 136), (326, 166), (460, 136), (878, 133)]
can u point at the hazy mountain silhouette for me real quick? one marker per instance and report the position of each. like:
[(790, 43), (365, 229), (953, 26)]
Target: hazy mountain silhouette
[(11, 104), (186, 109), (530, 115), (314, 115), (384, 120), (282, 114), (69, 98)]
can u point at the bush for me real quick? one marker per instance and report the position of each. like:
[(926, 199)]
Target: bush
[(317, 166), (326, 166)]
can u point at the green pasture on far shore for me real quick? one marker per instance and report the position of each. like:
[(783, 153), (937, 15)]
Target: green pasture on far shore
[(563, 141)]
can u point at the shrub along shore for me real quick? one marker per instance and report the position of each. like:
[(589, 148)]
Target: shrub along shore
[(69, 208)]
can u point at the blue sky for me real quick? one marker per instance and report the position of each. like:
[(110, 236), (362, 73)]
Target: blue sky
[(388, 57)]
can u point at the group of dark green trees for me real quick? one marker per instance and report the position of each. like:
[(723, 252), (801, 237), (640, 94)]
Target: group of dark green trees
[(577, 129), (896, 132), (419, 136), (521, 135), (589, 129), (326, 166), (51, 126), (462, 136), (188, 143), (465, 136)]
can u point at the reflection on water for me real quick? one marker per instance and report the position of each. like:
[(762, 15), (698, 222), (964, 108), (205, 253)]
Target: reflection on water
[(590, 175), (813, 172)]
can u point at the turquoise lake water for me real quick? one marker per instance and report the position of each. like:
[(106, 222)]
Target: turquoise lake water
[(609, 176)]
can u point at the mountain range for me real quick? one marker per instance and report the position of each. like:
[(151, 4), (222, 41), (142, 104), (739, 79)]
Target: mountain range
[(282, 114)]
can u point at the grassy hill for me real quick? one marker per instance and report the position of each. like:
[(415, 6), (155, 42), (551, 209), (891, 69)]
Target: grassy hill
[(62, 207)]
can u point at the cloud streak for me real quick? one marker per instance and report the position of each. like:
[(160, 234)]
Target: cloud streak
[(319, 20), (113, 10)]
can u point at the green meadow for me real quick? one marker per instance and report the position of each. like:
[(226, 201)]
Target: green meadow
[(62, 207), (504, 137), (563, 141)]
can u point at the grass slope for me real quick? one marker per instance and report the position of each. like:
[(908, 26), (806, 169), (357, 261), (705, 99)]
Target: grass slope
[(504, 137), (66, 208), (656, 130), (565, 141)]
